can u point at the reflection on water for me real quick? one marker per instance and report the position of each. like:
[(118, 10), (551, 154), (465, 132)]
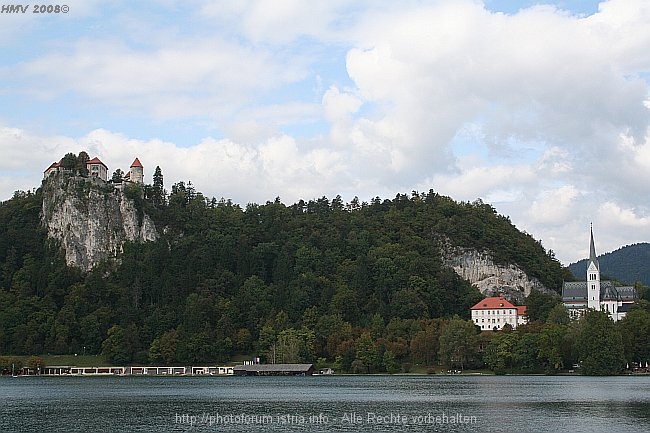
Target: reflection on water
[(326, 403)]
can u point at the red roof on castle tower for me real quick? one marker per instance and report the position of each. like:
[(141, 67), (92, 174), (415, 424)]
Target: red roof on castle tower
[(136, 163), (493, 303)]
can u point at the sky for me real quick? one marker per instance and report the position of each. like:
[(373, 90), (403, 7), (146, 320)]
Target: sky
[(540, 109)]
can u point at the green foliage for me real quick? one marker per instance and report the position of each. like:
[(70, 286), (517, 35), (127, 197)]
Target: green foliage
[(552, 347), (118, 176), (499, 354), (458, 343), (120, 344), (635, 331), (559, 315), (359, 284), (539, 305), (599, 345)]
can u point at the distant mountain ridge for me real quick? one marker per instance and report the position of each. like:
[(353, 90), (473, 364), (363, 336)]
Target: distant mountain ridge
[(628, 264)]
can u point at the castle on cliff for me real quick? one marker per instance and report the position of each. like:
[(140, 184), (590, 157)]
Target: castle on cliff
[(97, 169)]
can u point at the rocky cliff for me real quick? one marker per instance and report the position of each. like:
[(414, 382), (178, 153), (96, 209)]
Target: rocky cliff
[(490, 278), (91, 219)]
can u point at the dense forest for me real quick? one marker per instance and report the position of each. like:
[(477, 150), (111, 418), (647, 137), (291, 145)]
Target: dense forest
[(357, 285)]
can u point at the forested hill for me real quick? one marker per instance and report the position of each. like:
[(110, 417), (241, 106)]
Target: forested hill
[(221, 279), (629, 264)]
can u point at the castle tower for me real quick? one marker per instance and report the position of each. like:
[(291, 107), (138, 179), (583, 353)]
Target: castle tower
[(137, 172), (593, 276)]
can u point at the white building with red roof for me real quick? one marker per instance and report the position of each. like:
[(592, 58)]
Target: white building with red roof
[(53, 168), (136, 174), (98, 169), (493, 313)]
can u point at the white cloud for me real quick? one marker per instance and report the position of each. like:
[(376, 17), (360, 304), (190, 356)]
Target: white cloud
[(190, 78), (25, 156), (492, 184), (555, 207), (543, 113)]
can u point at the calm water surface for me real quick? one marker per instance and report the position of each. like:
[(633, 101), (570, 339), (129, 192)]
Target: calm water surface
[(325, 403)]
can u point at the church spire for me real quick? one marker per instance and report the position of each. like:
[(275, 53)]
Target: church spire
[(593, 258)]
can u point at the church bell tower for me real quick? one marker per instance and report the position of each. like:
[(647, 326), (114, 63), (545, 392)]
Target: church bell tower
[(593, 276)]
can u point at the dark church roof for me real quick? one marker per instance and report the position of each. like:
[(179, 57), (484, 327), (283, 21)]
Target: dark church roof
[(576, 291), (625, 308)]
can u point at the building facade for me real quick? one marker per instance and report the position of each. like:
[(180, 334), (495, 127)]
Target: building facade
[(98, 169), (493, 313)]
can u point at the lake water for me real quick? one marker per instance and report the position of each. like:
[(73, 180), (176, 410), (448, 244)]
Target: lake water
[(325, 403)]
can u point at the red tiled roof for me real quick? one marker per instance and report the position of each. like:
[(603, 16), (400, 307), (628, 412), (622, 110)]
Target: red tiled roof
[(521, 310), (493, 303), (136, 163), (53, 165), (96, 160)]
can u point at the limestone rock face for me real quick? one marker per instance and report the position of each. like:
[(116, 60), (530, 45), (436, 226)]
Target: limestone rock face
[(91, 219), (492, 279)]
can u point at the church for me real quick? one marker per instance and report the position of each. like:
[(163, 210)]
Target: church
[(578, 296)]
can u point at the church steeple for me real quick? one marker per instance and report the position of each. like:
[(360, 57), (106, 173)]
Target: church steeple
[(593, 275), (593, 258)]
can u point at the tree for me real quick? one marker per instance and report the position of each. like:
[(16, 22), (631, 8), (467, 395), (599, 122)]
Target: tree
[(120, 345), (117, 177), (539, 305), (500, 352), (526, 351), (35, 363), (425, 345), (158, 188), (390, 362), (367, 359), (295, 345), (600, 345), (635, 331), (559, 315), (82, 159), (458, 343), (69, 162), (408, 304), (550, 343)]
